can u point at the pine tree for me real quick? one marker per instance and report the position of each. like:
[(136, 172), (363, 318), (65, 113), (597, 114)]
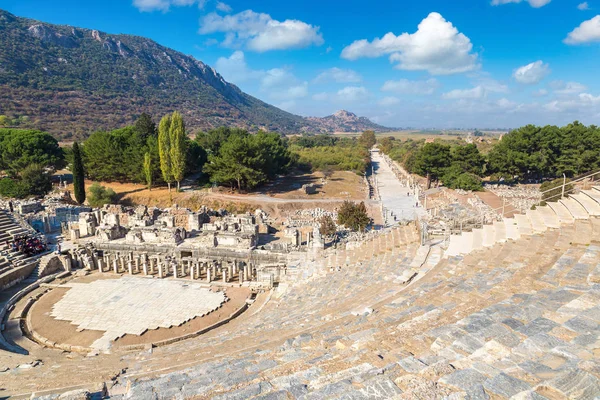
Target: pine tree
[(164, 149), (178, 148), (148, 170), (78, 175)]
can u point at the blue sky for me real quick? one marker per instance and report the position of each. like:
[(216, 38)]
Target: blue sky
[(432, 63)]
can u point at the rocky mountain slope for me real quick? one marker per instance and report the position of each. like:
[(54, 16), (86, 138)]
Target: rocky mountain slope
[(345, 121), (72, 81)]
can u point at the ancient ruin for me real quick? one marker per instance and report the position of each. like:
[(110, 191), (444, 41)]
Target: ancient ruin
[(142, 302)]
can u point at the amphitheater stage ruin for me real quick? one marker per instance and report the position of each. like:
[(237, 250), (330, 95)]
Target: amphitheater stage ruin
[(93, 313)]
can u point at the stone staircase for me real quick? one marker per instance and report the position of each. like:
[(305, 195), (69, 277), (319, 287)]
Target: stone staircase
[(10, 228), (579, 206)]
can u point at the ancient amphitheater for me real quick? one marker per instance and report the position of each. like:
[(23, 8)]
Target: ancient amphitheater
[(508, 311)]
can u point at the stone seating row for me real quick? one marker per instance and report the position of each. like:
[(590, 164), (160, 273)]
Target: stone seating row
[(517, 319), (580, 206)]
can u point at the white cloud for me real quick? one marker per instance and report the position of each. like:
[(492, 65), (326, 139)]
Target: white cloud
[(278, 84), (405, 86), (281, 84), (437, 46), (164, 5), (259, 32), (583, 6), (540, 93), (338, 75), (492, 86), (235, 69), (226, 8), (352, 94), (532, 3), (584, 101), (477, 92), (480, 91), (531, 74), (566, 88), (388, 101), (587, 32)]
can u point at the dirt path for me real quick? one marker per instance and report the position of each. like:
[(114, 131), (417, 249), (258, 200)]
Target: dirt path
[(496, 202)]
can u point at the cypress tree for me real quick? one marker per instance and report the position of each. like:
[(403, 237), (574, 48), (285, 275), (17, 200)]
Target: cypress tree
[(164, 149), (78, 175), (178, 147), (148, 171)]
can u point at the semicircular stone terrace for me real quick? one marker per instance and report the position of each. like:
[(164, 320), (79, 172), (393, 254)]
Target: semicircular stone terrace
[(131, 305)]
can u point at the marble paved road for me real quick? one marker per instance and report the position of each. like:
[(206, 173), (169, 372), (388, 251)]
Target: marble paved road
[(393, 193)]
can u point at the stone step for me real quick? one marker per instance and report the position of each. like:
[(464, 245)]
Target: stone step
[(523, 224), (564, 216), (592, 194), (549, 217), (467, 246), (537, 221), (500, 230), (477, 239), (591, 206), (511, 228), (575, 209), (489, 235)]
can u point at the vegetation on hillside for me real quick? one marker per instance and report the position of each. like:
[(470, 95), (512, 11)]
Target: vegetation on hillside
[(326, 153)]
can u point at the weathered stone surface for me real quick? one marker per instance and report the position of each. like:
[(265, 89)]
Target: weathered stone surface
[(576, 384), (505, 385), (464, 379)]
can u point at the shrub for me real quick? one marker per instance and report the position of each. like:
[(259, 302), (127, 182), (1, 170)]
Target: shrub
[(327, 227), (455, 178), (99, 195), (353, 216), (35, 180), (553, 189), (12, 188)]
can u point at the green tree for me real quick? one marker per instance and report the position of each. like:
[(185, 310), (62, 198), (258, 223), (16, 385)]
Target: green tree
[(327, 226), (432, 160), (35, 180), (148, 170), (354, 216), (386, 144), (4, 120), (145, 127), (164, 149), (237, 163), (100, 195), (468, 159), (367, 139), (12, 188), (78, 175), (177, 148), (455, 177), (20, 148)]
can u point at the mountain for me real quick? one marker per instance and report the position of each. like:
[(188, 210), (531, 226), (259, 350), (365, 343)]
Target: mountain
[(345, 121), (72, 81)]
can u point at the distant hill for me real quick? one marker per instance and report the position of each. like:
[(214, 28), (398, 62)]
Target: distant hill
[(345, 121), (72, 81)]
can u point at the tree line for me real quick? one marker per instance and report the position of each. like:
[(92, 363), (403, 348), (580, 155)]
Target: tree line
[(524, 154)]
